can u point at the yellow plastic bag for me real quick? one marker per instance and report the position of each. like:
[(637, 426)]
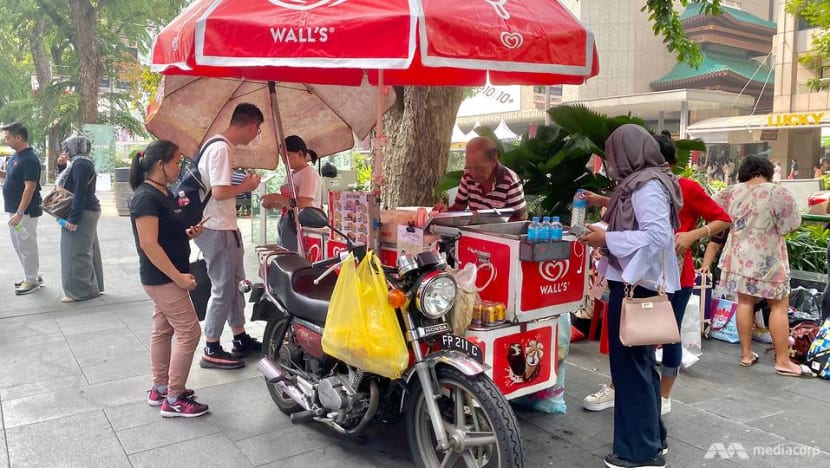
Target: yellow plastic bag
[(362, 329)]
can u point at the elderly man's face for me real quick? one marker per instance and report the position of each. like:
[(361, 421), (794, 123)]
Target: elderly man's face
[(479, 165)]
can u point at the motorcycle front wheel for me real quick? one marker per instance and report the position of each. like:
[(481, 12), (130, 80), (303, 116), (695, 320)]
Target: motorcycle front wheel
[(272, 346), (479, 422)]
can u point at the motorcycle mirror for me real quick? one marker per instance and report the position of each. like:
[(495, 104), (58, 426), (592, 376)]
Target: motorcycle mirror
[(313, 217)]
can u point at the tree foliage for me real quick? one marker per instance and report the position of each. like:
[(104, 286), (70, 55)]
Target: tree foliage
[(665, 21), (816, 13), (69, 46)]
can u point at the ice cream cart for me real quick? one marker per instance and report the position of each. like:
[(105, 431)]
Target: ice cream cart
[(523, 289)]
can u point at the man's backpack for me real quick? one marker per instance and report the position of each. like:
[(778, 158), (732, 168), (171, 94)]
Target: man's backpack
[(189, 188), (818, 358)]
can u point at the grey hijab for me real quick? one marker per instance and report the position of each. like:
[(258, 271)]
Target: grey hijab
[(632, 157), (77, 147)]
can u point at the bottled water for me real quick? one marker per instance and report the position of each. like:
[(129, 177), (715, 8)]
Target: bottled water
[(62, 222), (555, 229), (580, 205), (545, 230), (21, 231), (183, 199), (533, 230)]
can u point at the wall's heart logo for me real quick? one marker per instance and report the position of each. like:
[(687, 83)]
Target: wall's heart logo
[(512, 40), (303, 5), (554, 271)]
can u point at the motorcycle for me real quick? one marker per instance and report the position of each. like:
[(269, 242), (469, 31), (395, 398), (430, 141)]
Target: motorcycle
[(455, 415)]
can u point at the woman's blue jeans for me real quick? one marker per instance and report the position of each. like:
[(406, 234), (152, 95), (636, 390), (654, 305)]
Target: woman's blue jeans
[(639, 432)]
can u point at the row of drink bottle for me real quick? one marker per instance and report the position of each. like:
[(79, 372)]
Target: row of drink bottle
[(549, 229)]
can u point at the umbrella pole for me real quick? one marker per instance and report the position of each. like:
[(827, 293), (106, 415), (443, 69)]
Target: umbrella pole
[(275, 113), (377, 149)]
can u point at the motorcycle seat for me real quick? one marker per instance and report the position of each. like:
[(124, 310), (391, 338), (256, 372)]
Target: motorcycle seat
[(291, 280)]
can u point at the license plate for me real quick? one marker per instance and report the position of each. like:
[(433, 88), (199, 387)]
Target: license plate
[(457, 343)]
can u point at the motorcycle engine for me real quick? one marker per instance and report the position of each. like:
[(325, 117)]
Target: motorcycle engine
[(336, 392)]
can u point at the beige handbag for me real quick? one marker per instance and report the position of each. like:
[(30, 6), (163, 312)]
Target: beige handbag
[(648, 320)]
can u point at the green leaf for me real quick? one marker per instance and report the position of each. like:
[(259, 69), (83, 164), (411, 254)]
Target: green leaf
[(449, 181)]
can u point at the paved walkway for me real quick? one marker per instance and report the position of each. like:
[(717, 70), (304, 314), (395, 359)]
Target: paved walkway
[(73, 377)]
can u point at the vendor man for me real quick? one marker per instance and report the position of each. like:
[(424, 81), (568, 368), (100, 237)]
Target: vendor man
[(486, 183)]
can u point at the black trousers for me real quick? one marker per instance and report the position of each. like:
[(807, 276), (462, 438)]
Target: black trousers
[(639, 432)]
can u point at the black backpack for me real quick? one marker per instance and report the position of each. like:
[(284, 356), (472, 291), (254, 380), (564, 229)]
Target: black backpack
[(189, 187)]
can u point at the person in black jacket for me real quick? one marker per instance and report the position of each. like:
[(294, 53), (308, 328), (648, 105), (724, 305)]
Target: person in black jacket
[(81, 271)]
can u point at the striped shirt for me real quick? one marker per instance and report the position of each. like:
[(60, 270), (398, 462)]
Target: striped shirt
[(506, 193)]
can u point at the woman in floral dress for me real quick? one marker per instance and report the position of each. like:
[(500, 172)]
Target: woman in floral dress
[(754, 263)]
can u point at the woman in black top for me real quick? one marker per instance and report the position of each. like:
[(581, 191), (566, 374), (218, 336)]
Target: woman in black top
[(82, 275), (162, 241)]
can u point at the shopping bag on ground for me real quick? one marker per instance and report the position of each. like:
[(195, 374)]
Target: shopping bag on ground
[(818, 357), (362, 329), (690, 328), (724, 321)]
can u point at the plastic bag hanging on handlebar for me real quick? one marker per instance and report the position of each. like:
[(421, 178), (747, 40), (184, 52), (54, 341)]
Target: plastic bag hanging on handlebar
[(362, 329)]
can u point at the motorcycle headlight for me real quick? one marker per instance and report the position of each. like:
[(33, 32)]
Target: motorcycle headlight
[(436, 294)]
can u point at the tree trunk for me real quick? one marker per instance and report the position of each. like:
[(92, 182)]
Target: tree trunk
[(84, 22), (420, 127), (43, 71)]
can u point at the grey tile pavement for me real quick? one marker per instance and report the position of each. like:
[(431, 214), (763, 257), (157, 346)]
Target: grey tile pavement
[(73, 381)]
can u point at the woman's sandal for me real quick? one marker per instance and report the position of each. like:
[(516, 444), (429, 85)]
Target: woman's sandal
[(804, 372), (67, 300), (750, 363)]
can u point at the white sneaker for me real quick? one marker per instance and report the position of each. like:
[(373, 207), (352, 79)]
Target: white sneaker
[(665, 406), (601, 400)]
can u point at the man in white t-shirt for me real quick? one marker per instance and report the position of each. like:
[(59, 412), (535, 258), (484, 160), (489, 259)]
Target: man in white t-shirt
[(307, 184), (221, 241)]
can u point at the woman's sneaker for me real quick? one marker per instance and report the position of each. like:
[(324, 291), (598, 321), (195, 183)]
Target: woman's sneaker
[(601, 400), (155, 398), (183, 407)]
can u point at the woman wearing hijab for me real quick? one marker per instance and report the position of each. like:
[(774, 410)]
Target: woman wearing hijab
[(639, 246), (81, 271)]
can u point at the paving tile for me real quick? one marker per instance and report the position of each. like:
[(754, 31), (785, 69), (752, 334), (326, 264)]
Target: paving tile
[(118, 368), (210, 451), (344, 456), (743, 406), (44, 386), (4, 454), (35, 363), (103, 322), (242, 409), (83, 440), (163, 433), (701, 429), (132, 415), (98, 348), (203, 378), (54, 405), (802, 425), (284, 443)]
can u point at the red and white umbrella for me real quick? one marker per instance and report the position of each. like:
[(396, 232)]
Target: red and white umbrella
[(415, 42)]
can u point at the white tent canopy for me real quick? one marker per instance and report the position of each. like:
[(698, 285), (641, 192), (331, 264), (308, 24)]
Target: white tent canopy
[(457, 135), (472, 133), (504, 133)]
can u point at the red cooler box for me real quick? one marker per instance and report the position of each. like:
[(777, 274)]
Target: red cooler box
[(530, 290), (522, 356), (315, 243)]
